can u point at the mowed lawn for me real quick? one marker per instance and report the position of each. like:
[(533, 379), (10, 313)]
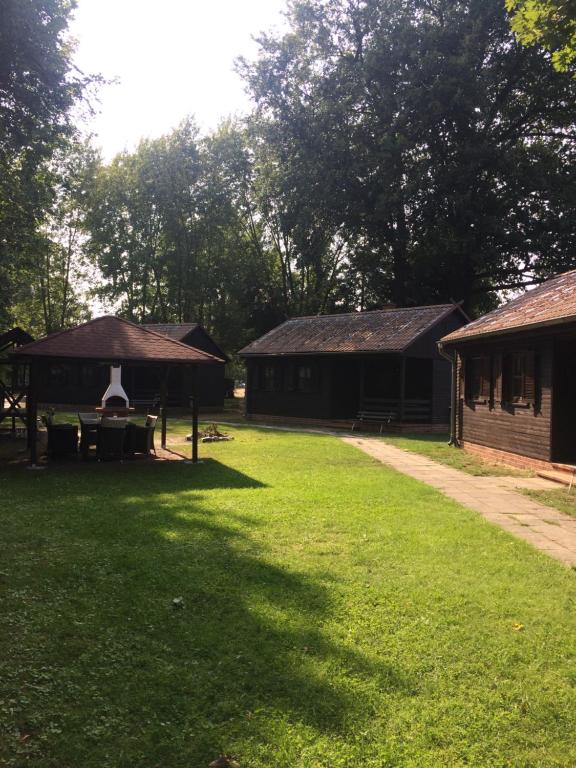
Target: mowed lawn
[(335, 613)]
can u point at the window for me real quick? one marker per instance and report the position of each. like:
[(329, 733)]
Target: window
[(520, 378), (478, 379), (61, 375), (269, 378), (304, 378)]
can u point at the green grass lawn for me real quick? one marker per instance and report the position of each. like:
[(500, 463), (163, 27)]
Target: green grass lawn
[(436, 447), (559, 498), (336, 614)]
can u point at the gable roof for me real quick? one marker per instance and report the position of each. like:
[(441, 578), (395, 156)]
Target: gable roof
[(180, 331), (15, 336), (383, 330), (176, 331), (112, 338), (552, 303)]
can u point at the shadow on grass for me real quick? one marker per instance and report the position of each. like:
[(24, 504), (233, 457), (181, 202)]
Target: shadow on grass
[(154, 681)]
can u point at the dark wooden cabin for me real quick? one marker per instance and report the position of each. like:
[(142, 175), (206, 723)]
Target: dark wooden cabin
[(83, 383), (514, 378), (383, 366)]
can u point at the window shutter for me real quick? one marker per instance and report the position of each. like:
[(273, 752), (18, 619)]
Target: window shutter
[(506, 378), (485, 378), (497, 379), (529, 378), (467, 372)]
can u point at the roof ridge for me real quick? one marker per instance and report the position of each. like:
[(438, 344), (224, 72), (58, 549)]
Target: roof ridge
[(361, 312)]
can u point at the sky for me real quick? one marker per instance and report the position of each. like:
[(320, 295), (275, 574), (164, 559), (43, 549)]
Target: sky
[(171, 58)]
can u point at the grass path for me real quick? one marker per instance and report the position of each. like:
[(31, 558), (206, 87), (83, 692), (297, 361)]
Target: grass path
[(336, 614)]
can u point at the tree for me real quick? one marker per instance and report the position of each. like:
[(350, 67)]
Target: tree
[(39, 86), (550, 24), (420, 128)]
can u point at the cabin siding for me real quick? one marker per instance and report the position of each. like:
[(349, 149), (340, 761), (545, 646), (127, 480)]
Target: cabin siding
[(286, 400), (520, 429)]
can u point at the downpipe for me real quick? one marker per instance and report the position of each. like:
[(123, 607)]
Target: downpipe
[(452, 360)]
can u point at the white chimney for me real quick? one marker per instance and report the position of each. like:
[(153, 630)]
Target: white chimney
[(115, 388)]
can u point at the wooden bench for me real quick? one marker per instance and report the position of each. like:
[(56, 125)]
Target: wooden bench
[(381, 417)]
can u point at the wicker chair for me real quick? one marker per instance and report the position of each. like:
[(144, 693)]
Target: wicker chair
[(88, 432), (62, 439), (111, 438), (141, 439)]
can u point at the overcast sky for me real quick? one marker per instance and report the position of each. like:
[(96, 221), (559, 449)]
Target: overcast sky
[(171, 57)]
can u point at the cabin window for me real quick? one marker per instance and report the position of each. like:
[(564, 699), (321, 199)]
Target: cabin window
[(269, 378), (61, 375), (478, 379), (520, 378), (304, 378)]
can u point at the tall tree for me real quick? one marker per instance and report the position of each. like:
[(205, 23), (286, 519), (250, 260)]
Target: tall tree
[(550, 24), (444, 147), (38, 88)]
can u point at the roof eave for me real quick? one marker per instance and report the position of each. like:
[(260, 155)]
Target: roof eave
[(508, 331)]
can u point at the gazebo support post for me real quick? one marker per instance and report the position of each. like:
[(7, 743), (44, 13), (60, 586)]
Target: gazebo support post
[(195, 414), (163, 414), (32, 415)]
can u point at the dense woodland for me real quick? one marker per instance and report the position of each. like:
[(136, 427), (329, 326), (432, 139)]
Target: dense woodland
[(404, 151)]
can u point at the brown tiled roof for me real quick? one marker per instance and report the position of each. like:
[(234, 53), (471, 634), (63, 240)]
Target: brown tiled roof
[(386, 330), (173, 330), (552, 303), (111, 338)]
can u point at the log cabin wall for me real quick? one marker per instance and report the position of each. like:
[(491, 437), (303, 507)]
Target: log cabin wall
[(490, 421), (278, 387)]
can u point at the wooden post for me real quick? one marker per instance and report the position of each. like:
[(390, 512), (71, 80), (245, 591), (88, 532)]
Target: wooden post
[(163, 414), (402, 388), (32, 415), (195, 414)]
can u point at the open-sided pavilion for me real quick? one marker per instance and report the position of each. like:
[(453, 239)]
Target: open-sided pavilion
[(113, 341)]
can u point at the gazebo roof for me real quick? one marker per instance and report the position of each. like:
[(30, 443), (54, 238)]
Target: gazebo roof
[(110, 338)]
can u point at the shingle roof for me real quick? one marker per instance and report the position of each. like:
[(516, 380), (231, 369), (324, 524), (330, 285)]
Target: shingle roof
[(552, 303), (111, 338), (386, 330), (173, 330)]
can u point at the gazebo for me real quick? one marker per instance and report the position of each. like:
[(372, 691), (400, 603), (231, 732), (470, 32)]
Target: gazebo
[(113, 341)]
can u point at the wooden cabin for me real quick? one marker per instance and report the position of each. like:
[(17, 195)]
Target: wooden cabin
[(514, 378), (381, 368), (82, 383)]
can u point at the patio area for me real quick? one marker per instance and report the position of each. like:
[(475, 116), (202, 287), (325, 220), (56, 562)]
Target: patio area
[(108, 429)]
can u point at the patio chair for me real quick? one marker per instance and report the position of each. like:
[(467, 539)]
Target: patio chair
[(88, 432), (140, 439), (62, 440), (111, 437)]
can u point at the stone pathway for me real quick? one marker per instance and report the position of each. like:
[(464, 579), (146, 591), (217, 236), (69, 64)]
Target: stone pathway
[(495, 498)]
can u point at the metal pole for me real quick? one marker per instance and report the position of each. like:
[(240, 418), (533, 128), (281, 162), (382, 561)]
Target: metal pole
[(195, 414), (164, 416), (32, 415)]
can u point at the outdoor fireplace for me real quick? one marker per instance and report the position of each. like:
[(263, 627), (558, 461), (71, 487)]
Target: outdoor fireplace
[(115, 400)]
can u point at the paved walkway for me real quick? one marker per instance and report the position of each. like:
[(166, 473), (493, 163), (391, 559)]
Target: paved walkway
[(495, 498)]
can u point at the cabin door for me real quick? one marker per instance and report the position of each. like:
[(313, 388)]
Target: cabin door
[(564, 404)]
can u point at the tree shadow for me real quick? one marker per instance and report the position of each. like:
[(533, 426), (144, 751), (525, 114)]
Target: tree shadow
[(162, 682)]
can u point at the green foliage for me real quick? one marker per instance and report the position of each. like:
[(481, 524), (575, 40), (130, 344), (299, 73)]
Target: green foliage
[(335, 613), (38, 88), (550, 24), (174, 232), (444, 149)]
